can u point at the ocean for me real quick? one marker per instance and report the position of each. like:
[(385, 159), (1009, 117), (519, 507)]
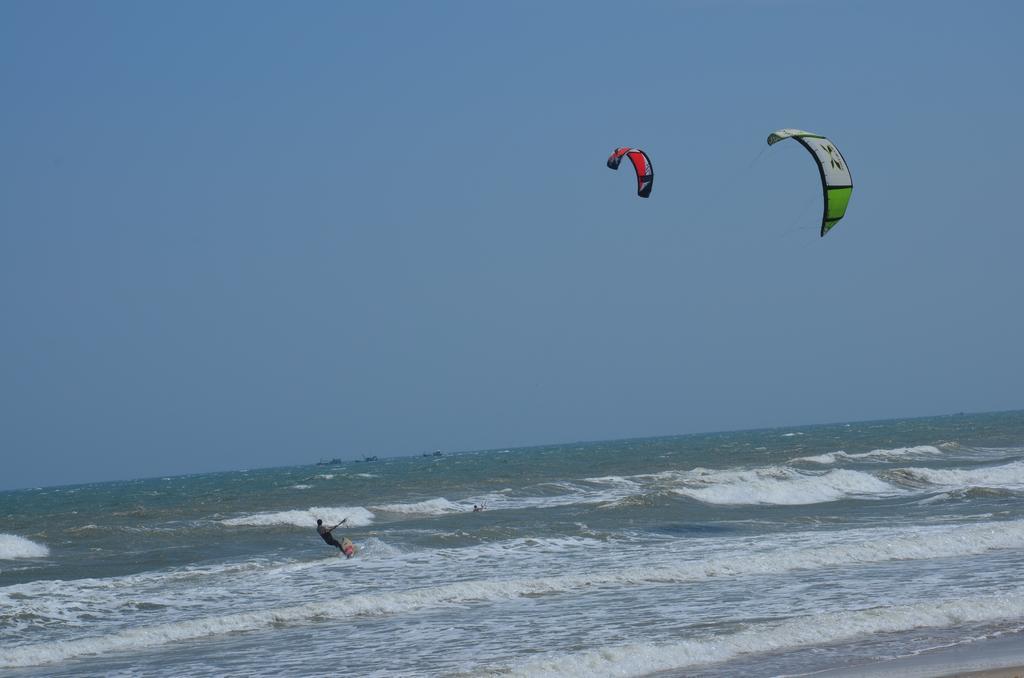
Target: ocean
[(775, 552)]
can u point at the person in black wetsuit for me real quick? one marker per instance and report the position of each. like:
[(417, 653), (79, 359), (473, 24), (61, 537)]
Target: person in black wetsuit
[(326, 535)]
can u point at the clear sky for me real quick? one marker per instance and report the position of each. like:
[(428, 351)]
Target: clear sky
[(243, 234)]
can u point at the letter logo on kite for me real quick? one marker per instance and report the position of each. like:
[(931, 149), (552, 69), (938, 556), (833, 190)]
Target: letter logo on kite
[(642, 165), (836, 182)]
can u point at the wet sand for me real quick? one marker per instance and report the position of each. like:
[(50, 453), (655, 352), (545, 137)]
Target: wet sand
[(1012, 672), (1001, 657)]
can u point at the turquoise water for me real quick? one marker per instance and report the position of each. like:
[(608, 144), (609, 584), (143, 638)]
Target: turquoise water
[(768, 552)]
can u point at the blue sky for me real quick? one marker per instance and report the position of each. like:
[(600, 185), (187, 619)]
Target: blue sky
[(245, 234)]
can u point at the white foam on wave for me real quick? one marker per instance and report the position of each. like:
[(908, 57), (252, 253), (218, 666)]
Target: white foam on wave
[(355, 516), (299, 487), (610, 480), (894, 454), (931, 543), (430, 507), (103, 594), (827, 458), (12, 546), (934, 499), (84, 528), (139, 637), (782, 486), (534, 546), (1008, 476), (645, 658), (560, 494)]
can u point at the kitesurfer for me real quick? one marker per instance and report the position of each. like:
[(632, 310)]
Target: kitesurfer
[(326, 535)]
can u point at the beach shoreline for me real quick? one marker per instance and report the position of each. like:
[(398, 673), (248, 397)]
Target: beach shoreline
[(1000, 657), (1009, 672)]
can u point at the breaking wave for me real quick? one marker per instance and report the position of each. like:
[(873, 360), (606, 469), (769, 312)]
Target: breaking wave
[(885, 546), (820, 629), (894, 454), (430, 507), (783, 486), (354, 516), (1008, 476), (12, 546)]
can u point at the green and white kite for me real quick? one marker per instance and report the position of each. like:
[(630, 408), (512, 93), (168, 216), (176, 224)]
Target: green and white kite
[(836, 182)]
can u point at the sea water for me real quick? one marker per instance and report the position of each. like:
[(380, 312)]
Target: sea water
[(770, 552)]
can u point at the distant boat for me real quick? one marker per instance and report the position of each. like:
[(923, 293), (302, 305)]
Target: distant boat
[(332, 462), (367, 458), (438, 453)]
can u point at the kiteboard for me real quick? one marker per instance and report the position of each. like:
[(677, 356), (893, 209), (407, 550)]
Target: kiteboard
[(347, 547)]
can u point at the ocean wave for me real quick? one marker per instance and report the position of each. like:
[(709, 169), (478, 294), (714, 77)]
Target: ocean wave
[(610, 480), (646, 658), (646, 500), (56, 595), (592, 490), (561, 494), (430, 507), (894, 454), (84, 528), (355, 516), (144, 637), (1007, 476), (12, 546), (782, 486), (889, 545)]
